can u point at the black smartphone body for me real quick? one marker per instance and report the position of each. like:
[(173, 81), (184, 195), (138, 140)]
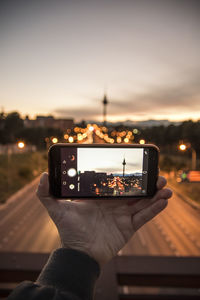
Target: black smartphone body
[(102, 170)]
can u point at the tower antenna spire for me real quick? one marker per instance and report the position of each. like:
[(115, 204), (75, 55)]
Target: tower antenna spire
[(105, 103), (124, 165)]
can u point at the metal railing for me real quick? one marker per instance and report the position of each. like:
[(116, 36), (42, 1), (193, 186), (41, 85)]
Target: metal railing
[(125, 277)]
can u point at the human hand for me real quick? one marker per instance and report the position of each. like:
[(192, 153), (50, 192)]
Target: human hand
[(100, 228)]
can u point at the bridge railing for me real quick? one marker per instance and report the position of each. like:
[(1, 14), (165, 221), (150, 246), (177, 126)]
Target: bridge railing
[(125, 277)]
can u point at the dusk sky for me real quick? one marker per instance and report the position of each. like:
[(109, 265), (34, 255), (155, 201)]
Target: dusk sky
[(109, 160), (59, 57)]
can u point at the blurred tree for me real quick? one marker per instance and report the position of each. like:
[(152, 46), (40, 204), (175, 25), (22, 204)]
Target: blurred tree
[(12, 129), (12, 124), (191, 133), (2, 122), (36, 136), (167, 164)]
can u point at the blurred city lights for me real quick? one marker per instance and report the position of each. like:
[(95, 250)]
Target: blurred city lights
[(54, 140), (104, 129), (126, 140), (91, 128), (182, 147), (71, 139), (76, 129), (20, 145), (142, 142), (119, 139), (79, 137)]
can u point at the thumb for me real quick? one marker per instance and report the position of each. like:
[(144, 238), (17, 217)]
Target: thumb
[(43, 193)]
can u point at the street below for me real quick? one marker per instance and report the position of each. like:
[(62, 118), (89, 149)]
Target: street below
[(26, 227)]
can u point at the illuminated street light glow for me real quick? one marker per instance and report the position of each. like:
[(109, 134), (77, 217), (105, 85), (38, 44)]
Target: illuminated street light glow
[(20, 145), (142, 142), (79, 137), (182, 147), (91, 128), (126, 140), (54, 140), (71, 139), (119, 139)]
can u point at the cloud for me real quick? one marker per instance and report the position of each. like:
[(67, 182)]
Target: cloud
[(165, 100), (78, 113)]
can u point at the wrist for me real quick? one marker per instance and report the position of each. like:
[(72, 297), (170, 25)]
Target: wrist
[(81, 248), (71, 270)]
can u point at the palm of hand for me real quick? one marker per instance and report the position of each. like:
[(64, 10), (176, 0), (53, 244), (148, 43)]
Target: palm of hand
[(100, 229)]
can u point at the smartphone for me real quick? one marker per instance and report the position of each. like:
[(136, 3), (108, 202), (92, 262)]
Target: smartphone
[(102, 170)]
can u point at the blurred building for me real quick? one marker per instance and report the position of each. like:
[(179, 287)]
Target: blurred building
[(49, 121)]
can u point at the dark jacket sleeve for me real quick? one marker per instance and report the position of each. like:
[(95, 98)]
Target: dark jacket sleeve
[(68, 274)]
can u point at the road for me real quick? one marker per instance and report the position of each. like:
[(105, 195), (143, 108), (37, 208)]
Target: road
[(25, 226)]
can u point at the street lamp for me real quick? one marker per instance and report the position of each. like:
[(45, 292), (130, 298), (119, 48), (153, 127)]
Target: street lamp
[(126, 140), (184, 147), (71, 139), (91, 128), (142, 142), (54, 140), (20, 145)]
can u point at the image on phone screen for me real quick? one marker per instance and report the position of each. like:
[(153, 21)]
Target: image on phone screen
[(103, 172)]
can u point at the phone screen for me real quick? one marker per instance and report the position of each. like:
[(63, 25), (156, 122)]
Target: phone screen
[(103, 172)]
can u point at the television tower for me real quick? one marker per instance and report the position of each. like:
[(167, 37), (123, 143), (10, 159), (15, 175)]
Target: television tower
[(124, 164), (105, 102)]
